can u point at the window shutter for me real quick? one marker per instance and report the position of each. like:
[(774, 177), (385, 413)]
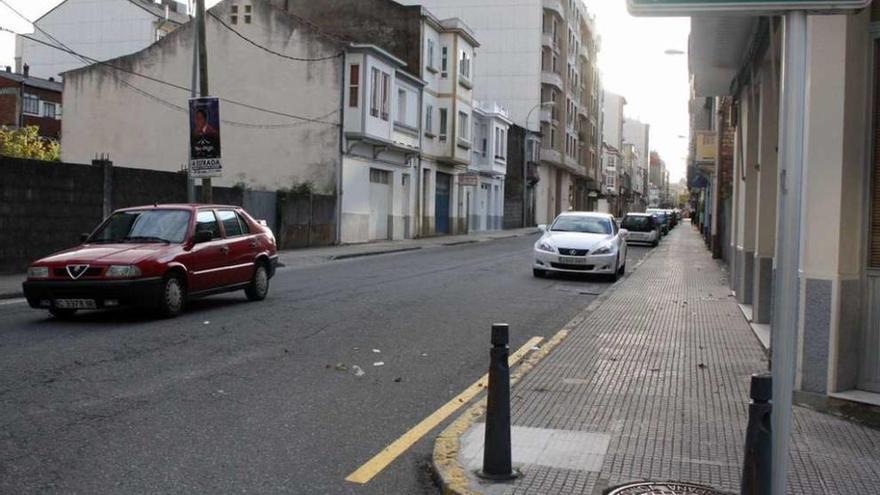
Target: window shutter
[(874, 258)]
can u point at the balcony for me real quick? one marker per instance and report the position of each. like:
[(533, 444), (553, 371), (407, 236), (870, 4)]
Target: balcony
[(548, 41), (489, 165), (552, 156), (552, 79), (554, 6)]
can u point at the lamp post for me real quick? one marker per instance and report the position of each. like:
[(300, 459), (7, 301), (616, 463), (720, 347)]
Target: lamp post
[(525, 158)]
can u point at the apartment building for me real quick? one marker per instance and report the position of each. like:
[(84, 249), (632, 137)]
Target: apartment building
[(100, 29), (544, 51), (735, 62), (441, 53), (26, 100), (485, 204)]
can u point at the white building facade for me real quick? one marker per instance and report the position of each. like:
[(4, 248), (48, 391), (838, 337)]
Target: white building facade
[(485, 203), (543, 51), (381, 146), (100, 29)]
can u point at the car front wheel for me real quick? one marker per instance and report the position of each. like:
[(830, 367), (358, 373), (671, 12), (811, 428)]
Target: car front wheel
[(259, 286), (172, 297)]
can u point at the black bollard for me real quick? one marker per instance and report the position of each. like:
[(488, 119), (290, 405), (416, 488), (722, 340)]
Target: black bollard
[(757, 463), (497, 464)]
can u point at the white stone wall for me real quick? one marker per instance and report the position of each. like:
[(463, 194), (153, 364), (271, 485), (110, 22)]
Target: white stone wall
[(107, 112)]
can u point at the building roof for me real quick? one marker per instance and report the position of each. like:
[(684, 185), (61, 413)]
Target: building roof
[(34, 82), (149, 5)]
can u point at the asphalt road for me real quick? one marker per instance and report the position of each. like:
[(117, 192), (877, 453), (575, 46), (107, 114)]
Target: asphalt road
[(238, 397)]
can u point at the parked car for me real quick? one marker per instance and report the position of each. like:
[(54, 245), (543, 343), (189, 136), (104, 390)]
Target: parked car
[(662, 217), (581, 242), (642, 227), (157, 257)]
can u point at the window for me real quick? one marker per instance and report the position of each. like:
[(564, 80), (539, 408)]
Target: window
[(443, 124), (48, 110), (247, 14), (464, 65), (497, 142), (484, 145), (231, 225), (401, 106), (380, 176), (206, 222), (463, 127), (233, 11), (30, 104), (444, 61), (554, 112), (375, 98), (429, 119), (354, 85), (430, 55), (386, 89), (553, 136), (245, 229), (874, 214)]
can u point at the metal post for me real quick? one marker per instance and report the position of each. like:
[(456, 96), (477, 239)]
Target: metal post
[(497, 464), (791, 165), (757, 463), (207, 192), (190, 182)]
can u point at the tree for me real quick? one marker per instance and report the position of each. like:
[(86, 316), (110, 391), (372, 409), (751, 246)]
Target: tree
[(25, 142)]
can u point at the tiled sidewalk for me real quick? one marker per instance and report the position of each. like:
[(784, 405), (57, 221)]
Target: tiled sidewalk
[(658, 375)]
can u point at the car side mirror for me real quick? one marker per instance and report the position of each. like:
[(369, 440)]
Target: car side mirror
[(83, 237), (542, 227), (202, 236), (624, 233)]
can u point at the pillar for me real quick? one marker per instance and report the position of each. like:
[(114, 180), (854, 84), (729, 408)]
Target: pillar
[(832, 233), (765, 217)]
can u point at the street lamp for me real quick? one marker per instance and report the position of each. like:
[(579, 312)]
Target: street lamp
[(525, 157)]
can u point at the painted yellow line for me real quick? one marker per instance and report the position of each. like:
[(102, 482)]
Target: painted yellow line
[(381, 460)]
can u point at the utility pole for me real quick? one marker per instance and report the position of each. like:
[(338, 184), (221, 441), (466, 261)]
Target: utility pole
[(190, 182), (207, 193)]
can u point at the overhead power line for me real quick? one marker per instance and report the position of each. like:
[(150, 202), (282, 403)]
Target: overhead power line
[(269, 50), (87, 59)]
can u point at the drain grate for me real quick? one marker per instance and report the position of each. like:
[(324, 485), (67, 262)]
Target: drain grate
[(664, 488)]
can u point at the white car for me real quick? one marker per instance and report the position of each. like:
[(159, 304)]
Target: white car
[(642, 227), (581, 242)]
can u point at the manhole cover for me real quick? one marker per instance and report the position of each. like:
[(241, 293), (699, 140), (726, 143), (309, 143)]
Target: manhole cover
[(664, 488)]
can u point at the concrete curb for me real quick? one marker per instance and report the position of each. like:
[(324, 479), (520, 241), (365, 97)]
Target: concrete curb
[(449, 473), (11, 295), (373, 253)]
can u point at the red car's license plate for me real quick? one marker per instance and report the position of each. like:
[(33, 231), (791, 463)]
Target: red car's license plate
[(75, 303)]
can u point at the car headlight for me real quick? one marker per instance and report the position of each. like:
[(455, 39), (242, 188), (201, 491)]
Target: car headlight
[(122, 271), (546, 246), (38, 272), (607, 249)]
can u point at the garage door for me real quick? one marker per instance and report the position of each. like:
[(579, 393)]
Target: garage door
[(380, 203)]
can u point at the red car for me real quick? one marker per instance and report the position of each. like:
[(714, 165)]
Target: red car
[(157, 257)]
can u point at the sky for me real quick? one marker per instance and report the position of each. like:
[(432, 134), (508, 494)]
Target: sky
[(655, 85), (632, 62)]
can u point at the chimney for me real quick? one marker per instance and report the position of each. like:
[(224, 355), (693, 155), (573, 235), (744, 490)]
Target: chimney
[(8, 68), (26, 70), (52, 79)]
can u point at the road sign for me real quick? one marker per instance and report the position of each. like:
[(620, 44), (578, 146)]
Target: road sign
[(468, 179), (204, 140), (694, 7)]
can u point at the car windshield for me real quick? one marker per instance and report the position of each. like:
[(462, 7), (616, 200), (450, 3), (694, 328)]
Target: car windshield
[(637, 223), (585, 225), (143, 226)]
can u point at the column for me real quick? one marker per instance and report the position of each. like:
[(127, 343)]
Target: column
[(765, 225), (747, 153), (832, 223)]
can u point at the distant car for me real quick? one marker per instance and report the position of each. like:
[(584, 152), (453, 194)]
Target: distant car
[(663, 218), (642, 227), (581, 242), (157, 257)]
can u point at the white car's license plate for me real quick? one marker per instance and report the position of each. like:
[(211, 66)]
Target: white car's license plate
[(75, 303), (569, 260)]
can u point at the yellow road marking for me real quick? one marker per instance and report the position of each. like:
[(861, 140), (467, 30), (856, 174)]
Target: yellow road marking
[(381, 460)]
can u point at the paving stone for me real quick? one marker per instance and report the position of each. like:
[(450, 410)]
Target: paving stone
[(662, 368)]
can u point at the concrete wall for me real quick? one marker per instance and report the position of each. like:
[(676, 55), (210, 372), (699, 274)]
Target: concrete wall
[(108, 112)]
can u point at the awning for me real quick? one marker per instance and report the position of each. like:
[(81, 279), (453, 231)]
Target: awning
[(717, 51)]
